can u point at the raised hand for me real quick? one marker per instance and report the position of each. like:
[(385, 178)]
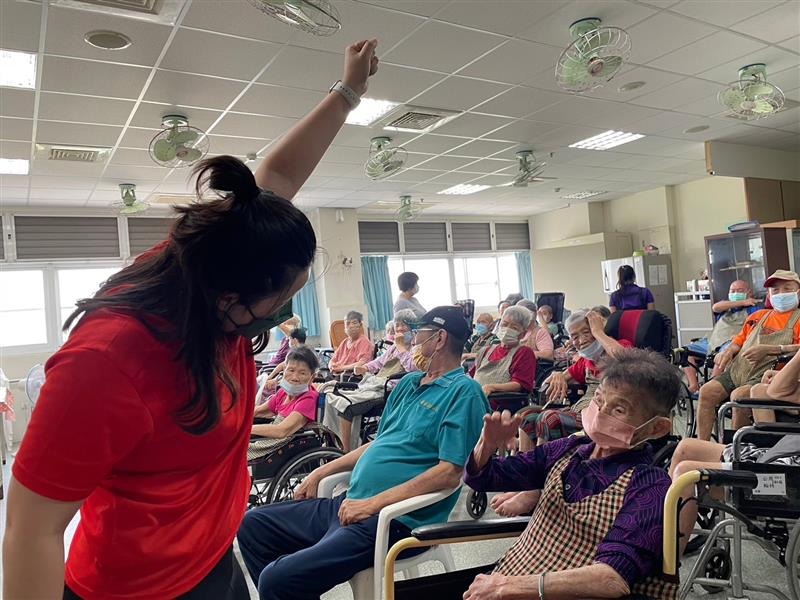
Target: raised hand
[(500, 430), (360, 63)]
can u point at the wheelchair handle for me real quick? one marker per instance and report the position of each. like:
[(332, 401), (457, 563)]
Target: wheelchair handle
[(736, 479)]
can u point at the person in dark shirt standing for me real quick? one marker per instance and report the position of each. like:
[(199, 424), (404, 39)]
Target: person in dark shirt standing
[(630, 296)]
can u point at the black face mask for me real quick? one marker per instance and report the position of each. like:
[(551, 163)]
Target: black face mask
[(259, 325)]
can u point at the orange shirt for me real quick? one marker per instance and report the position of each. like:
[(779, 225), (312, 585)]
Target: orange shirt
[(774, 323)]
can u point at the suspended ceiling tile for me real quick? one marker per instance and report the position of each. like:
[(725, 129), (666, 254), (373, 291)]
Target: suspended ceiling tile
[(78, 134), (772, 25), (15, 150), (507, 17), (84, 109), (400, 84), (16, 129), (436, 144), (236, 18), (319, 69), (92, 78), (514, 62), (235, 124), (459, 93), (16, 103), (235, 145), (278, 101), (708, 53), (182, 89), (734, 11), (664, 33), (777, 60), (473, 125), (484, 148), (520, 102), (20, 25), (150, 114), (677, 94), (424, 8)]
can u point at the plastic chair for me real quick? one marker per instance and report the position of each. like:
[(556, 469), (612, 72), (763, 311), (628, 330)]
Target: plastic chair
[(366, 585), (337, 333)]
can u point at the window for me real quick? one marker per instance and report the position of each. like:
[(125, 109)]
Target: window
[(75, 284), (23, 320), (486, 279), (434, 279)]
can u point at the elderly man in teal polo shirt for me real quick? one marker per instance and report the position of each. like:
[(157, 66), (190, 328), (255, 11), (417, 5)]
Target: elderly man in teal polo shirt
[(431, 422)]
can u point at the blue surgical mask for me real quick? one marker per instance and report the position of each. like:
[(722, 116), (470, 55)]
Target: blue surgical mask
[(784, 302), (294, 389), (737, 296), (592, 351), (481, 329)]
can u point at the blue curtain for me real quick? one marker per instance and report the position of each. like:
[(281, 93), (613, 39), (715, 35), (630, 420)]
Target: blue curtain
[(305, 304), (377, 290), (525, 274)]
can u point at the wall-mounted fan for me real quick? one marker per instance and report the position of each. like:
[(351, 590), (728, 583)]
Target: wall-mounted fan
[(317, 17), (530, 170), (595, 55), (752, 96), (384, 160), (33, 383), (178, 144), (408, 210), (129, 204)]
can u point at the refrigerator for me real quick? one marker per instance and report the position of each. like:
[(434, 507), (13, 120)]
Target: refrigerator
[(653, 272)]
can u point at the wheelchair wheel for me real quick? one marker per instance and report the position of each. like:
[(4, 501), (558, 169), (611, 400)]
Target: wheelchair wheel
[(296, 470), (476, 504), (717, 566), (793, 561)]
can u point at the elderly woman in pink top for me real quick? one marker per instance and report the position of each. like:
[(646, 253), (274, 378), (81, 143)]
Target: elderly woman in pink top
[(537, 338), (356, 349)]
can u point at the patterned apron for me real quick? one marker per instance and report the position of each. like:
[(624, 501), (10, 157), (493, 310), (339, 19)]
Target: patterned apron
[(562, 535), (489, 372), (592, 383), (262, 446), (743, 371)]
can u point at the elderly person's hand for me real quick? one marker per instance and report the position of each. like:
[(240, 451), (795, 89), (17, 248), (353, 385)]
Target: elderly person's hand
[(557, 386), (308, 488), (487, 389), (722, 360), (500, 430), (360, 63), (755, 354), (360, 369), (355, 511), (596, 324), (487, 587), (768, 376)]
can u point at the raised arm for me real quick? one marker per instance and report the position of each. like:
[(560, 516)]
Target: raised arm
[(596, 324), (786, 383), (287, 167)]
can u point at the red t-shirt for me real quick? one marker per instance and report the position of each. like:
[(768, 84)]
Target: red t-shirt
[(161, 505), (523, 365), (578, 369)]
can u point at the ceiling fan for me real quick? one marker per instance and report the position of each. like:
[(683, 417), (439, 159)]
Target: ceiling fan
[(129, 204), (595, 56), (317, 17), (178, 144), (752, 96)]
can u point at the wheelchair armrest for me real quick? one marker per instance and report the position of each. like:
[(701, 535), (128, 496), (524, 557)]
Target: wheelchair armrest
[(467, 529), (345, 385), (396, 376), (328, 484), (736, 479), (788, 428), (764, 403), (398, 509)]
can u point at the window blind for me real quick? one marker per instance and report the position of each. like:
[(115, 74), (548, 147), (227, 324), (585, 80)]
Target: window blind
[(378, 237), (146, 232), (471, 237), (45, 238), (425, 237), (2, 241), (512, 236)]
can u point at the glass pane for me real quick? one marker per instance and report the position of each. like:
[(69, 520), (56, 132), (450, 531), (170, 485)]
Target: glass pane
[(395, 268), (460, 269), (509, 278), (76, 284), (484, 294), (482, 269), (434, 281), (22, 314)]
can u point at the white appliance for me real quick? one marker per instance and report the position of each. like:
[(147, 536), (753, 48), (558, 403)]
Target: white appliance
[(653, 272)]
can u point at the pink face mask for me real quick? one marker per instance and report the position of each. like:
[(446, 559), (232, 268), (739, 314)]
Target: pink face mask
[(607, 431)]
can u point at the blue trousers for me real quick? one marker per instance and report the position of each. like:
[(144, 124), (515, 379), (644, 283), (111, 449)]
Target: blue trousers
[(298, 550)]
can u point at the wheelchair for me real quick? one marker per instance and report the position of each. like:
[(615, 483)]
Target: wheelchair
[(275, 476), (762, 504)]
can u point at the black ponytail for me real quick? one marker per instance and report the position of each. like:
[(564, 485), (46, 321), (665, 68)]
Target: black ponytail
[(625, 276), (247, 241)]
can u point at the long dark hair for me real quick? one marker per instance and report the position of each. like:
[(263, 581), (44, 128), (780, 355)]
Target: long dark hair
[(625, 276), (247, 241)]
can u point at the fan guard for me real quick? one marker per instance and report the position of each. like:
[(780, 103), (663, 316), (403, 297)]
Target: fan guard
[(529, 168), (594, 57), (383, 160), (752, 96), (317, 17), (178, 144), (129, 204), (408, 211), (34, 382)]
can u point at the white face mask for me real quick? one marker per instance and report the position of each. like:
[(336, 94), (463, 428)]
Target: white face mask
[(508, 336), (294, 389), (592, 351)]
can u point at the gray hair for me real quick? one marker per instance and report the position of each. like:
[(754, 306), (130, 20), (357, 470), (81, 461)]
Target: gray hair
[(603, 311), (354, 315), (520, 315), (405, 315), (579, 316), (389, 326), (529, 304)]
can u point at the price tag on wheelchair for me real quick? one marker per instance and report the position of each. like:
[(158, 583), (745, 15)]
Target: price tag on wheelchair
[(770, 484)]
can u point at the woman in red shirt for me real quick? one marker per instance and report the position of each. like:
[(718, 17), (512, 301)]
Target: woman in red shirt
[(144, 421)]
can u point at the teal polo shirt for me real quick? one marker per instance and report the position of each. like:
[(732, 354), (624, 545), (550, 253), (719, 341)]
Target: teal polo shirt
[(421, 426)]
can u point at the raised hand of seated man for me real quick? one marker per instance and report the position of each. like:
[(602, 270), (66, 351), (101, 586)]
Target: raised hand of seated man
[(756, 354), (355, 511)]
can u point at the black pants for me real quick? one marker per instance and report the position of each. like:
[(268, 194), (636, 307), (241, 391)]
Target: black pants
[(224, 582)]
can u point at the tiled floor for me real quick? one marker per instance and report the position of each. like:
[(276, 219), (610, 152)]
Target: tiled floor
[(758, 566)]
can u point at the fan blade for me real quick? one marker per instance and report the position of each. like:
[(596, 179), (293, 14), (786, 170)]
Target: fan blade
[(187, 154), (732, 98), (754, 90), (184, 137), (164, 151), (763, 107), (574, 70)]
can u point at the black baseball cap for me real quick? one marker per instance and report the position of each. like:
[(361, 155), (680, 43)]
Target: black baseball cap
[(449, 318)]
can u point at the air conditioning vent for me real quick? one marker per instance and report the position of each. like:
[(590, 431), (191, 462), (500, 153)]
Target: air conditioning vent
[(157, 11), (417, 119), (71, 153)]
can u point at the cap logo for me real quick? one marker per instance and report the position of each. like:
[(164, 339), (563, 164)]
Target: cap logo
[(438, 320)]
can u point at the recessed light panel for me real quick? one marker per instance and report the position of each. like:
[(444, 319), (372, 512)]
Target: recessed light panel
[(462, 189), (14, 166), (369, 110), (583, 195), (607, 139), (17, 69)]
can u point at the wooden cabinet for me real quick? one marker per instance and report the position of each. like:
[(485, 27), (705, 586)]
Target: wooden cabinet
[(771, 200)]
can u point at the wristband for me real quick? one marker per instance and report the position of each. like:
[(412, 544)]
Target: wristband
[(541, 586), (352, 98)]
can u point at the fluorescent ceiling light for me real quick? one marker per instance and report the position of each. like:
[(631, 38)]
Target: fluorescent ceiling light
[(583, 195), (606, 140), (17, 69), (462, 189), (369, 110), (14, 166)]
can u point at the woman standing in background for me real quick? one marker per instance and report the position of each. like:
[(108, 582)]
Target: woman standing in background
[(630, 296)]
